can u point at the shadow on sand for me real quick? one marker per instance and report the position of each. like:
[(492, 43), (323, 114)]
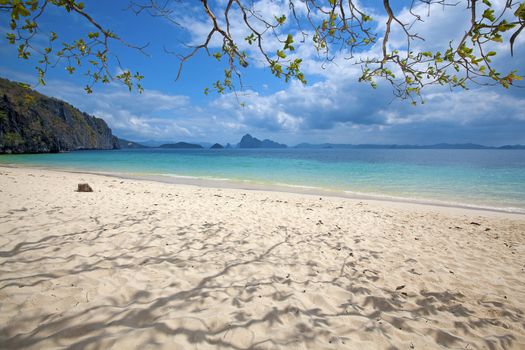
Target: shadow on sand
[(264, 287)]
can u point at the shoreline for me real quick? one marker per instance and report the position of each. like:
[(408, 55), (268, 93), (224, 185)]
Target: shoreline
[(140, 263), (290, 189)]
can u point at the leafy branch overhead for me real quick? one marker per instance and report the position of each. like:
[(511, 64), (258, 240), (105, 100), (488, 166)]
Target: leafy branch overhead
[(91, 53), (331, 27)]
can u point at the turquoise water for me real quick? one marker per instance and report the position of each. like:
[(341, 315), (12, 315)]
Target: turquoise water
[(484, 178)]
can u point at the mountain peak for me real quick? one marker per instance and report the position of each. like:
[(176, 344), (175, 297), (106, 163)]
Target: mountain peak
[(248, 141)]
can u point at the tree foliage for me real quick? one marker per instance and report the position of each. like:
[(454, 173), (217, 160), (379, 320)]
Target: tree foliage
[(332, 27), (91, 52)]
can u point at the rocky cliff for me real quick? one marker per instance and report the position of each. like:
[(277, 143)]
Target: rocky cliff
[(248, 141), (33, 123)]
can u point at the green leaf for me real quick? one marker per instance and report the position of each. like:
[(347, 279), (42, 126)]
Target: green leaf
[(288, 43), (250, 38), (21, 10), (520, 12), (497, 38), (280, 20), (11, 38), (489, 14)]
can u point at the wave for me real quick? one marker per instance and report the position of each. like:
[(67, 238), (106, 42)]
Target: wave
[(434, 201), (257, 184), (282, 186)]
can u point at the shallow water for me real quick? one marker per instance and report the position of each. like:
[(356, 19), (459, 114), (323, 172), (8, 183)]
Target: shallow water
[(481, 178)]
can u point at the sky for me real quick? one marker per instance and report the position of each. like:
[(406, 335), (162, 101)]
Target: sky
[(333, 107)]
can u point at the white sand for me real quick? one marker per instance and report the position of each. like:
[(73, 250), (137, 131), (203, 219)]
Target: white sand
[(139, 264)]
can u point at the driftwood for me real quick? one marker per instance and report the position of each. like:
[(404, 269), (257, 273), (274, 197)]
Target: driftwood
[(84, 188)]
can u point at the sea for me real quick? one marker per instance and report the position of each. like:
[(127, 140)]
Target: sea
[(484, 179)]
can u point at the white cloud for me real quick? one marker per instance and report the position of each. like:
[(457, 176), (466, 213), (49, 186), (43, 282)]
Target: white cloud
[(335, 108), (143, 126), (116, 96), (152, 114)]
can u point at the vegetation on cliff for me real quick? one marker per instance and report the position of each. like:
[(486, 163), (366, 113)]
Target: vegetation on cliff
[(33, 123)]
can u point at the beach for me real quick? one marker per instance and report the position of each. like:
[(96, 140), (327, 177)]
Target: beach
[(145, 264)]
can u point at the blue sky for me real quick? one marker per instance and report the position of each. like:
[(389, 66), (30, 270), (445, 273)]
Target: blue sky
[(333, 107)]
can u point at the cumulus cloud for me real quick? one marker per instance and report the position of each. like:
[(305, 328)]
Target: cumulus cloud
[(152, 114), (143, 127), (115, 96), (329, 104), (339, 103), (335, 108)]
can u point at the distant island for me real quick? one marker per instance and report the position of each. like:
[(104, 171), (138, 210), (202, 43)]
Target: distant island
[(184, 145), (125, 144), (394, 146), (248, 141), (34, 123)]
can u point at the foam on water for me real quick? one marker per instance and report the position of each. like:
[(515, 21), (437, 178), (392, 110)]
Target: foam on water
[(491, 179)]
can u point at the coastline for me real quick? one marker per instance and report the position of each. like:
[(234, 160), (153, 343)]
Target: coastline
[(214, 183), (141, 263)]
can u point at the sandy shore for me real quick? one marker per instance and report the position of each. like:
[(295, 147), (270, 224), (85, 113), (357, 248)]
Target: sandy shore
[(143, 264)]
